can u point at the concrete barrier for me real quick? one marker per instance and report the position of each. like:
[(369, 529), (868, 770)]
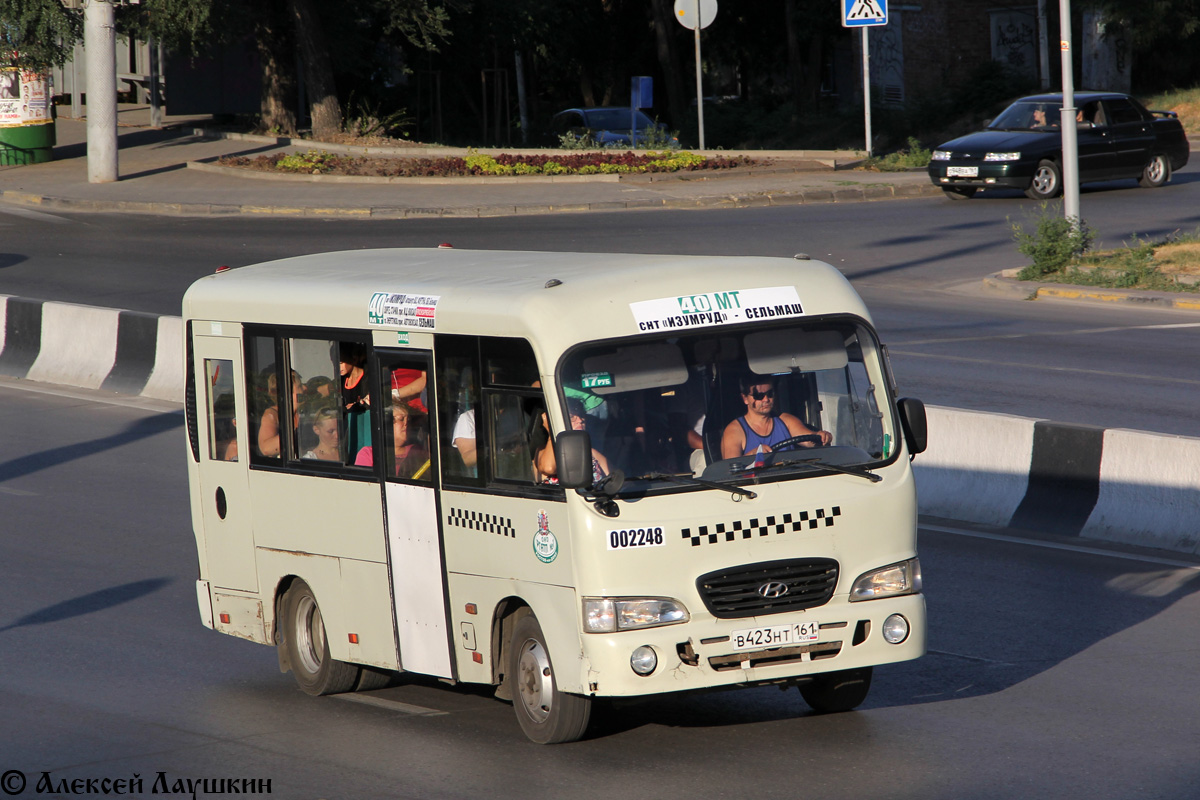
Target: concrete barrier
[(994, 469)]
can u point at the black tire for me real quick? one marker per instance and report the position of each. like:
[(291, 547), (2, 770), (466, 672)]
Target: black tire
[(1156, 173), (308, 649), (1047, 181), (963, 193), (837, 691), (546, 715), (370, 679)]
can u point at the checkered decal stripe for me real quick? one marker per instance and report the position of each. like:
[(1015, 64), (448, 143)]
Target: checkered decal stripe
[(786, 523), (476, 521)]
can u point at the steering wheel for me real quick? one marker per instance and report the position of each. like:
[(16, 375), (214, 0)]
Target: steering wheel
[(795, 441)]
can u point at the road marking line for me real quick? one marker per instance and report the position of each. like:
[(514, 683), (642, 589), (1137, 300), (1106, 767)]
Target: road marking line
[(392, 705), (1074, 548), (38, 215)]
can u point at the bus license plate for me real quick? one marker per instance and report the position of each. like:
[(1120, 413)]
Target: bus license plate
[(962, 172), (775, 635)]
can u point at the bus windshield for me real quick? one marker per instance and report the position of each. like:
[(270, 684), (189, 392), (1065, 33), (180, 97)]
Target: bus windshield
[(788, 401)]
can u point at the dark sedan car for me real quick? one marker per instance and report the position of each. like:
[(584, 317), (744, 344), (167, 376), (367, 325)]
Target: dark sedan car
[(1022, 148), (610, 126)]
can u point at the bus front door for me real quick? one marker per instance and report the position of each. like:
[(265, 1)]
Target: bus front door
[(415, 557)]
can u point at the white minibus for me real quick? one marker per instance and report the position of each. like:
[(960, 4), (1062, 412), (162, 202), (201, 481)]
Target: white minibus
[(568, 475)]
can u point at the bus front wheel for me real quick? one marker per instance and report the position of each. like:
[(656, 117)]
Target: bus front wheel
[(837, 691), (547, 716), (307, 648)]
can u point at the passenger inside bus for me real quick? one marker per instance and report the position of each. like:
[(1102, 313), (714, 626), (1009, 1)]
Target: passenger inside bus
[(760, 426), (408, 385), (268, 426), (463, 439), (542, 445), (356, 399), (325, 426), (410, 443)]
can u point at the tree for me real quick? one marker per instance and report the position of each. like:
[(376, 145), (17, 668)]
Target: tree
[(38, 34)]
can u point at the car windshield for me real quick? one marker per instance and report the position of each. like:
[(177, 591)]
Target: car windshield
[(610, 119), (1026, 115), (674, 406)]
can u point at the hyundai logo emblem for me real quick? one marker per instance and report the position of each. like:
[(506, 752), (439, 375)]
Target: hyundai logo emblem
[(773, 589)]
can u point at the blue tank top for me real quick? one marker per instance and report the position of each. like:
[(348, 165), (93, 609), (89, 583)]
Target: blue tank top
[(779, 432)]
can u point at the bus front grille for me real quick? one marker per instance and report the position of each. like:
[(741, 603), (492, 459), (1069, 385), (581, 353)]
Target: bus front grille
[(771, 587)]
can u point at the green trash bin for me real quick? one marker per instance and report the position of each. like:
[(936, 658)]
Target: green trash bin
[(26, 144)]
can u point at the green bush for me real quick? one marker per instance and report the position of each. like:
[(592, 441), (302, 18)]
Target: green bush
[(1055, 244)]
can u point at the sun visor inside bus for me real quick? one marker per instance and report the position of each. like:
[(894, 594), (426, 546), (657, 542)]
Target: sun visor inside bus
[(643, 366), (775, 352)]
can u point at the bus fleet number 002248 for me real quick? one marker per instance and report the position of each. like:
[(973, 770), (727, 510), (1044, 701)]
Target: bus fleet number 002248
[(635, 537)]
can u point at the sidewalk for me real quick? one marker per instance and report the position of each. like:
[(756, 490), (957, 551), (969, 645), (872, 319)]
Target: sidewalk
[(162, 171)]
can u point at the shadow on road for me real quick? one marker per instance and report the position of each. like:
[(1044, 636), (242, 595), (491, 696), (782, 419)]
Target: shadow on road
[(90, 603)]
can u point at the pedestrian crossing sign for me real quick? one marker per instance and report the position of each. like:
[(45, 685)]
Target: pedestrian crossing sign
[(860, 13)]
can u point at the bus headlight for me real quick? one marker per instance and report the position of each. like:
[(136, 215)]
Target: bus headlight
[(889, 581), (608, 614)]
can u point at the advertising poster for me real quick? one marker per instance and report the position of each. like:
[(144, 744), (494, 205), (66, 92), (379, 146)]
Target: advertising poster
[(24, 97)]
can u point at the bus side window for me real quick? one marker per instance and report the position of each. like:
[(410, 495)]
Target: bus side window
[(222, 415), (262, 391), (457, 399), (405, 424)]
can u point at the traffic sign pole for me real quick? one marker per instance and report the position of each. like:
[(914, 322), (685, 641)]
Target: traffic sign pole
[(866, 70), (864, 14), (699, 84)]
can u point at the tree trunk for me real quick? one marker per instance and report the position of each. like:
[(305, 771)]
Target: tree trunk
[(795, 70), (278, 74), (668, 59), (318, 70)]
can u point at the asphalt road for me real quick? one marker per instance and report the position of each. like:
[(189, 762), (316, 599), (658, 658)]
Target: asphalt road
[(918, 263), (1054, 671)]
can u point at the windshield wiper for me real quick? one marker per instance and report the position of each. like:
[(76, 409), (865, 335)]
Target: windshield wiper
[(819, 464), (690, 480)]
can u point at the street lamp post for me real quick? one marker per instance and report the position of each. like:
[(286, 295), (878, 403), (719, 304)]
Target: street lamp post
[(1070, 134)]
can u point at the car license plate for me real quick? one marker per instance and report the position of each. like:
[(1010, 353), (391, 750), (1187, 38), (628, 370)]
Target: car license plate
[(775, 635), (962, 172)]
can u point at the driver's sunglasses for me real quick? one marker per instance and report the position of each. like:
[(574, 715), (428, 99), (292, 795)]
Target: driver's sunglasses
[(763, 395)]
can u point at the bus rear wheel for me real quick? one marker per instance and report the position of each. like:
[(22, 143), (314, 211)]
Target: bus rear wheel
[(546, 715), (837, 691), (307, 648)]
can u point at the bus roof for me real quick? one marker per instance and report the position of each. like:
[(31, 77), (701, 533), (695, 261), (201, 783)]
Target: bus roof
[(553, 299)]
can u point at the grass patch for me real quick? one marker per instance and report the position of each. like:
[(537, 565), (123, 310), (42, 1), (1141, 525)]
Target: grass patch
[(1060, 253), (912, 157)]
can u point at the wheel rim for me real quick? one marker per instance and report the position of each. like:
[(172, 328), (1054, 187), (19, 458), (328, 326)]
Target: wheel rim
[(1157, 169), (310, 635), (1044, 181), (535, 681)]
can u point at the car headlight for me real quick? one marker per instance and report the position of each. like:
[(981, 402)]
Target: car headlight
[(940, 155), (889, 581), (608, 614), (1002, 157)]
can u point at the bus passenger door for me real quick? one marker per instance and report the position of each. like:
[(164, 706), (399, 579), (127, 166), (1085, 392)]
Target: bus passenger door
[(415, 555), (224, 490)]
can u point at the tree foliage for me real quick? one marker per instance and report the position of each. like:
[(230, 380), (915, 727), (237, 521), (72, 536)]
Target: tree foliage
[(38, 34)]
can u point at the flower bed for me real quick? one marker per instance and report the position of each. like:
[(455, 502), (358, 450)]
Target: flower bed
[(319, 162)]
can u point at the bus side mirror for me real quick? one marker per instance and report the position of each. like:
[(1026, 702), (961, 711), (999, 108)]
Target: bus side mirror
[(573, 455), (912, 420)]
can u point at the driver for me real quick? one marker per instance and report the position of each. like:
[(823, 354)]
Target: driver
[(759, 426)]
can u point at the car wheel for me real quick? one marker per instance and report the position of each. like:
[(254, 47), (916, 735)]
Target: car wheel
[(547, 716), (307, 648), (1047, 181), (965, 193), (837, 691), (1156, 173)]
